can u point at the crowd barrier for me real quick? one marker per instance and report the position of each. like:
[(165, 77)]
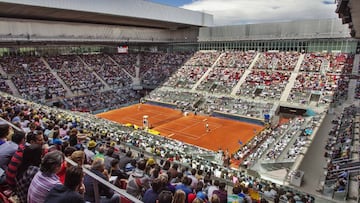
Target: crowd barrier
[(162, 104), (128, 198), (239, 118), (124, 196)]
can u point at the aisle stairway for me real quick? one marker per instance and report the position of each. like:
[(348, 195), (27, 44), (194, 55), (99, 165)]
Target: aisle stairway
[(127, 73), (69, 93), (292, 79), (13, 89), (10, 83), (206, 73), (2, 72), (243, 77), (107, 87), (314, 173), (288, 87), (298, 65)]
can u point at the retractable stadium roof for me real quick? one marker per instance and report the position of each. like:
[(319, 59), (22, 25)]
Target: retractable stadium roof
[(113, 12)]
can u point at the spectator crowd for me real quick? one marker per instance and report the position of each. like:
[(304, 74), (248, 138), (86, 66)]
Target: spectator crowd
[(157, 170)]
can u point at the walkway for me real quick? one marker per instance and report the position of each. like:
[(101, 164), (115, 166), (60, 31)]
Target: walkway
[(69, 93), (243, 77), (206, 73), (314, 162)]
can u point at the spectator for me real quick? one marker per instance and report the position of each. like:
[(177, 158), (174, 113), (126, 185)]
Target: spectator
[(109, 157), (151, 194), (73, 139), (4, 132), (78, 157), (138, 181), (46, 178), (174, 171), (106, 194), (125, 160), (90, 151), (27, 170), (194, 180), (17, 158), (179, 197), (71, 191), (221, 193), (212, 188), (8, 149), (184, 185), (165, 197), (215, 199)]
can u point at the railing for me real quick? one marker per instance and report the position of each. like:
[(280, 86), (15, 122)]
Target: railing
[(12, 125), (98, 180), (123, 193)]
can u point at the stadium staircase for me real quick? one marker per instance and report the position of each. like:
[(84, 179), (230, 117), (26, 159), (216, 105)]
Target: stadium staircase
[(267, 163), (356, 63), (9, 82), (298, 65), (207, 73), (127, 73), (69, 93), (353, 83), (243, 77), (2, 72), (107, 87), (288, 87), (354, 185), (292, 80), (12, 87)]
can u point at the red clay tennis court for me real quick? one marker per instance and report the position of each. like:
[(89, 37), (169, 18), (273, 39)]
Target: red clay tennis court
[(222, 134)]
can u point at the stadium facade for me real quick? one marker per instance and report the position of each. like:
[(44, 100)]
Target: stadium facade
[(94, 26)]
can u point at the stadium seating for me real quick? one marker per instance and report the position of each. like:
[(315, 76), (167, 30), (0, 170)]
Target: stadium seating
[(22, 64), (126, 61), (188, 157), (307, 84), (155, 76), (282, 141), (110, 72), (341, 165), (32, 78), (4, 87), (101, 100), (315, 62), (76, 75), (229, 105), (320, 80), (166, 65), (185, 77), (341, 63), (64, 62), (236, 59), (221, 80), (144, 61), (36, 86), (182, 100), (284, 61), (357, 90), (201, 58), (264, 84)]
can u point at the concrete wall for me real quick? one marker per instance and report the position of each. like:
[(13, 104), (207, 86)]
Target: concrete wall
[(128, 8), (33, 30), (305, 29)]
